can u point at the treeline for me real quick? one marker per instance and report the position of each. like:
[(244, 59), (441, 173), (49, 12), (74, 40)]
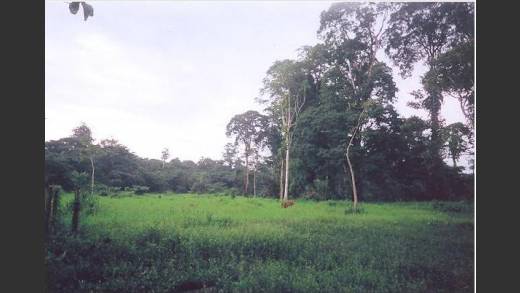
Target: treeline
[(330, 129), (116, 168)]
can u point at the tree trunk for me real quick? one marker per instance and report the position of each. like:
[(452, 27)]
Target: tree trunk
[(55, 203), (246, 185), (286, 187), (281, 179), (454, 162), (353, 179), (92, 177), (75, 211)]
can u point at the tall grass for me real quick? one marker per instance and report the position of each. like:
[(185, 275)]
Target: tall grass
[(165, 243)]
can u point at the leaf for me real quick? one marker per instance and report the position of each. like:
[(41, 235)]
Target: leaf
[(88, 10), (74, 7)]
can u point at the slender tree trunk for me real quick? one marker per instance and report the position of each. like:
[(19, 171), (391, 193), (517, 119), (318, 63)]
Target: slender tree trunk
[(454, 162), (287, 145), (54, 211), (352, 176), (346, 176), (286, 187), (281, 178), (353, 179), (435, 96), (92, 177), (246, 185), (75, 211)]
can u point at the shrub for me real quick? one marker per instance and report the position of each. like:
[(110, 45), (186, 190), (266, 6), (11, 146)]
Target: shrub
[(199, 187), (140, 189), (90, 204), (101, 189)]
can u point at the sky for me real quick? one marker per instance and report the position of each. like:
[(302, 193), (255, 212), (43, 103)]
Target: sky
[(160, 74)]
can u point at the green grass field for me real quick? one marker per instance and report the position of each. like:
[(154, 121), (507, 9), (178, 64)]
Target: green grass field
[(172, 243)]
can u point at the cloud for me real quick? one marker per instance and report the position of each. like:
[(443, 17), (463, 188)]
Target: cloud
[(165, 74)]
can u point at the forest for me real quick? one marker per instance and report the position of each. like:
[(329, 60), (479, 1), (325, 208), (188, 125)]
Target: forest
[(336, 96), (329, 138)]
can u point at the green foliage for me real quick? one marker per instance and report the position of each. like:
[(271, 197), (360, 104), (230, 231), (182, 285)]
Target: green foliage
[(158, 244), (105, 190), (79, 179), (90, 204), (139, 190)]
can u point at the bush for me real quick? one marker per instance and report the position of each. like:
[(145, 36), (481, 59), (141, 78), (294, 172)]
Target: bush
[(105, 190), (90, 204), (199, 187), (140, 189)]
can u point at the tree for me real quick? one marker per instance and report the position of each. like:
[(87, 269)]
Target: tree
[(286, 86), (80, 181), (52, 203), (88, 150), (119, 167), (457, 137), (259, 145), (425, 32), (354, 32), (165, 154), (230, 154), (352, 177), (455, 67), (455, 75), (249, 130)]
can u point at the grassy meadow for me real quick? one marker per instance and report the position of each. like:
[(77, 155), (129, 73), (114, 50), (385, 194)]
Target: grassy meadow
[(176, 243)]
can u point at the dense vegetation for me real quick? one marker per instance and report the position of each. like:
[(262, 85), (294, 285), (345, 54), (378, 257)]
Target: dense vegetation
[(168, 242)]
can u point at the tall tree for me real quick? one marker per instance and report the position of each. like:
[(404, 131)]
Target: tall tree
[(165, 154), (259, 144), (354, 32), (247, 128), (88, 150), (457, 137), (455, 76), (424, 32), (230, 154), (286, 86), (455, 67)]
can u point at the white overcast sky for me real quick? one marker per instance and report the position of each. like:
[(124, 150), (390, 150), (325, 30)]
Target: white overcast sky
[(156, 74)]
